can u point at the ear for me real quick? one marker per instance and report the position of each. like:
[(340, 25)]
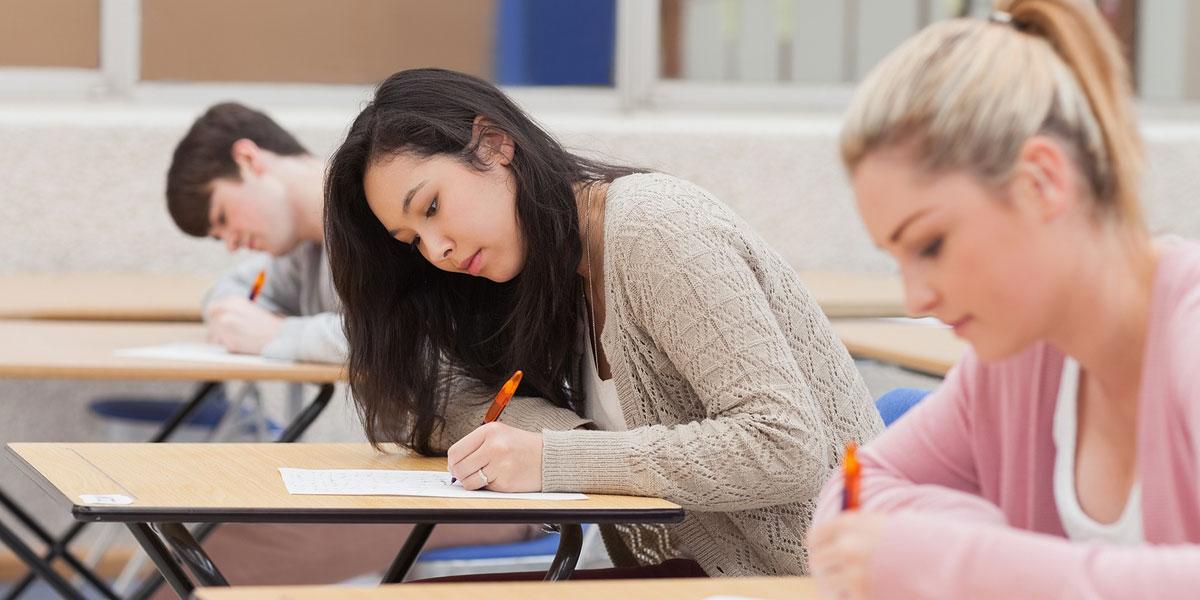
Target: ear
[(248, 156), (1045, 178), (493, 144)]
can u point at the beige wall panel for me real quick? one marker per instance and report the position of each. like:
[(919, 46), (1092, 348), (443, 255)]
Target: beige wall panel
[(50, 33), (1192, 61), (318, 41)]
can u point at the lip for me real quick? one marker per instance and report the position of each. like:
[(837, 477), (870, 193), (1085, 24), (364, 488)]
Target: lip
[(960, 324), (473, 264)]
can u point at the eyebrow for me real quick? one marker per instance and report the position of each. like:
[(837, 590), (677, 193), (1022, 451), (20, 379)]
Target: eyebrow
[(408, 198), (895, 237)]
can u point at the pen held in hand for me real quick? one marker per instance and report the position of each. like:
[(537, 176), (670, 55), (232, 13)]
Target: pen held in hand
[(258, 283), (851, 474), (502, 397)]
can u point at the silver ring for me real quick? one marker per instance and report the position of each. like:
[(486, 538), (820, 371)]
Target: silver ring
[(483, 477)]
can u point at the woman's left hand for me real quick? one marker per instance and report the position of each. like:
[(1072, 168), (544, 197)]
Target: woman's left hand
[(840, 552), (499, 458)]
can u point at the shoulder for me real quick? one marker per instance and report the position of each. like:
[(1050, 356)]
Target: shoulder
[(1177, 279), (1175, 311), (655, 216), (302, 257), (660, 201)]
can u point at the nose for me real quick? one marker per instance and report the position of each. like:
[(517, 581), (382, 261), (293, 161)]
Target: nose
[(920, 296), (440, 247), (231, 240)]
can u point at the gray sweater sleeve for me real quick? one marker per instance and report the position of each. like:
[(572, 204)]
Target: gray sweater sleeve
[(238, 280), (312, 326), (315, 338)]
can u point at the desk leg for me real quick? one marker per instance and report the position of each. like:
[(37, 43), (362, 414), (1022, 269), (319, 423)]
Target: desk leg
[(42, 568), (189, 551), (570, 544), (161, 555), (408, 553), (293, 432), (60, 546), (55, 549), (308, 415), (184, 412)]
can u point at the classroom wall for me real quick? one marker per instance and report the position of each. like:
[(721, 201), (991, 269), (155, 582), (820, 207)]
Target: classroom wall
[(50, 33), (83, 188), (87, 186), (311, 40)]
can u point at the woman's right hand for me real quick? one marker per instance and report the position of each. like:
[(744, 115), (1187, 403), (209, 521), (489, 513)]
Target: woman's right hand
[(840, 552), (509, 458)]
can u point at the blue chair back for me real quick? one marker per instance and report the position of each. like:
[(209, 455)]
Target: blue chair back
[(894, 403)]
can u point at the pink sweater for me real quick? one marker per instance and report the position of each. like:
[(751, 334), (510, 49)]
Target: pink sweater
[(968, 474)]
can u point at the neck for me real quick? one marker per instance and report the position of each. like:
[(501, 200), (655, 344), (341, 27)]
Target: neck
[(1104, 321), (304, 179)]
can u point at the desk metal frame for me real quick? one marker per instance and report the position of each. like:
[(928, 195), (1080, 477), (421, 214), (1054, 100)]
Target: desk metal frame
[(40, 566), (176, 551)]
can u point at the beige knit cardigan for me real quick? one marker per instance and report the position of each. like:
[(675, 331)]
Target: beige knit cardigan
[(737, 393)]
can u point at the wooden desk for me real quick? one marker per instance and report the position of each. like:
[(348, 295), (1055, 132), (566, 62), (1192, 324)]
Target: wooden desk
[(766, 588), (103, 296), (85, 350), (170, 484), (849, 295), (176, 297), (929, 349)]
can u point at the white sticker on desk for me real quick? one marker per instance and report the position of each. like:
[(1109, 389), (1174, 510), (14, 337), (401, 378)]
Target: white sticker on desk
[(106, 499)]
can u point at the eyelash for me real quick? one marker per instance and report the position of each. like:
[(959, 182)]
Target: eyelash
[(429, 212), (932, 249)]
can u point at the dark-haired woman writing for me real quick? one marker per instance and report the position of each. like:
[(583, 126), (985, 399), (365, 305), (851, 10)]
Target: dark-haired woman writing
[(672, 352)]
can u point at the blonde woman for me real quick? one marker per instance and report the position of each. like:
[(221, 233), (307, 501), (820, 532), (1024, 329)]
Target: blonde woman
[(998, 161)]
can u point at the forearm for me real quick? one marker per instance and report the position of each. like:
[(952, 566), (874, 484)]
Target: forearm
[(938, 557), (317, 338), (884, 492), (722, 464)]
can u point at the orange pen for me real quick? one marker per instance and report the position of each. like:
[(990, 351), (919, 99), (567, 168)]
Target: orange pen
[(502, 397), (851, 471), (258, 283)]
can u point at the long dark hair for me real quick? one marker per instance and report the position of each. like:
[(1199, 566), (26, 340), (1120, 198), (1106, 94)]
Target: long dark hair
[(410, 324)]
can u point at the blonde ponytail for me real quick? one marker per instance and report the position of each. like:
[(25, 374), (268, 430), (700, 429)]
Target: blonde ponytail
[(967, 94)]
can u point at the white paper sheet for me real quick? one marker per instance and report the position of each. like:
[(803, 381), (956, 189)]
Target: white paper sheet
[(383, 482), (190, 351)]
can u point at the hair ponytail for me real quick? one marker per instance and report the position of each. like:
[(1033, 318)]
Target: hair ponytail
[(966, 94), (1084, 42)]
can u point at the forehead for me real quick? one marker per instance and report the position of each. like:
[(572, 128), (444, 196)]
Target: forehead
[(890, 189), (388, 181), (390, 173)]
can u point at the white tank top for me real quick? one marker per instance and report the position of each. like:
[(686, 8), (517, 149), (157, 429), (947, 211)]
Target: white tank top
[(1127, 529), (603, 406)]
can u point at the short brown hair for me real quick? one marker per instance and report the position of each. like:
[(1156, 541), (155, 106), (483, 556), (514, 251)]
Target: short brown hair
[(203, 155)]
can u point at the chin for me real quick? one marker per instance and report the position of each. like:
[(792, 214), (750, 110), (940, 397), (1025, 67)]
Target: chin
[(990, 350), (502, 278), (506, 275)]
